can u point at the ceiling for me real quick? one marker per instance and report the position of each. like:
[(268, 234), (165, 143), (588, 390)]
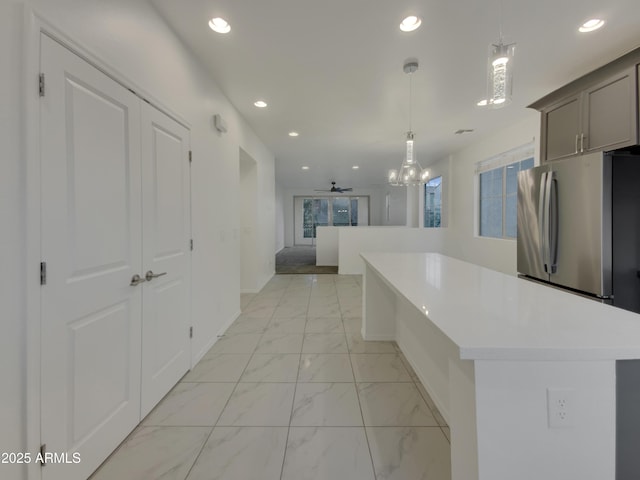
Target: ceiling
[(332, 71)]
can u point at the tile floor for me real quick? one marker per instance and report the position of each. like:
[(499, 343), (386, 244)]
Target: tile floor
[(292, 392)]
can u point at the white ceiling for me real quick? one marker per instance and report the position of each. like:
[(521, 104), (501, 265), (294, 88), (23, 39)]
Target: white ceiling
[(332, 70)]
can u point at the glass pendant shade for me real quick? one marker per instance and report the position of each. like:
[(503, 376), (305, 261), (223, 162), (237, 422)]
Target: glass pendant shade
[(500, 74), (410, 173)]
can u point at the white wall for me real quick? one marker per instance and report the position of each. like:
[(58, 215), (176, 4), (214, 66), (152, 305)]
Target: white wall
[(397, 206), (279, 218), (132, 39), (248, 202), (12, 239), (376, 203), (353, 241), (327, 245), (460, 192)]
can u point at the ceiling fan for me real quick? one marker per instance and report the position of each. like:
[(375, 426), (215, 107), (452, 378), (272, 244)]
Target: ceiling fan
[(335, 189)]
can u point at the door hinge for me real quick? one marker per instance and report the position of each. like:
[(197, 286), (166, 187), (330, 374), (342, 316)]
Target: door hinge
[(43, 273), (190, 332), (191, 244), (41, 85), (190, 156), (43, 453)]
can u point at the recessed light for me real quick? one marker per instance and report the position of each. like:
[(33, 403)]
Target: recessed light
[(482, 103), (305, 168), (260, 104), (293, 134), (410, 23), (219, 25), (591, 25), (355, 167)]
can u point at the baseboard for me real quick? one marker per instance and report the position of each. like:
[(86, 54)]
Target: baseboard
[(264, 282), (227, 324), (378, 338), (212, 342), (250, 291)]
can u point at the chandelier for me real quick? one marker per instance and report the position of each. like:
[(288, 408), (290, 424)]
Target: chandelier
[(410, 172)]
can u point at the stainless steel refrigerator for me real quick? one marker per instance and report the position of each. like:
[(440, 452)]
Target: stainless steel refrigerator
[(579, 226)]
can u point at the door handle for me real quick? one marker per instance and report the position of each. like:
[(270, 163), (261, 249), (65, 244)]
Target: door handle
[(542, 220), (577, 135), (150, 275), (582, 142), (136, 280), (553, 224)]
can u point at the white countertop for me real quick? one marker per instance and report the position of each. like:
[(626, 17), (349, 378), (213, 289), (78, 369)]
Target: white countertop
[(490, 315)]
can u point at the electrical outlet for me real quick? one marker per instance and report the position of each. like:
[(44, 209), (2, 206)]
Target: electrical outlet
[(560, 407)]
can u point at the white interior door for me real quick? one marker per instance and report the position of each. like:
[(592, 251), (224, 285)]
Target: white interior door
[(91, 229), (166, 354)]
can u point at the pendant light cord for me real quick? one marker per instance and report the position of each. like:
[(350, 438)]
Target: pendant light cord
[(410, 99), (500, 24)]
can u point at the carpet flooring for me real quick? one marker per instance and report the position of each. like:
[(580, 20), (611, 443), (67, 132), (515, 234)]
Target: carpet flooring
[(300, 260)]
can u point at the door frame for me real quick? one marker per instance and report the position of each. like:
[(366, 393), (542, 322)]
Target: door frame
[(34, 25)]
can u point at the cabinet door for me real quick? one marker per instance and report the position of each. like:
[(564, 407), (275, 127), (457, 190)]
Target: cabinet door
[(609, 118), (561, 129)]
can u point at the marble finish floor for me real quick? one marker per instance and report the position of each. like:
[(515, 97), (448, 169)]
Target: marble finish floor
[(292, 392)]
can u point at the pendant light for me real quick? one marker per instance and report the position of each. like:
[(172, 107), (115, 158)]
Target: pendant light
[(410, 173), (500, 71)]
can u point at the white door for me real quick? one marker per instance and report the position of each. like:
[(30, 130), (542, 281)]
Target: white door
[(166, 354), (91, 242)]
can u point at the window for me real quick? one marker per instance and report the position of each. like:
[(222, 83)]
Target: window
[(341, 217), (433, 203), (316, 212), (336, 211), (498, 191)]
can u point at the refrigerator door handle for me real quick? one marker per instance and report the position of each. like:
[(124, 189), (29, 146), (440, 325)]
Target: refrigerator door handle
[(552, 228), (542, 219)]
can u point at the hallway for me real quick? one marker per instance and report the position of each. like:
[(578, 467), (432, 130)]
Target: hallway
[(292, 392)]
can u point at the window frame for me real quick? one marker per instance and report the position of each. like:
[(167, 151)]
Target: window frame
[(424, 203), (501, 161), (330, 213)]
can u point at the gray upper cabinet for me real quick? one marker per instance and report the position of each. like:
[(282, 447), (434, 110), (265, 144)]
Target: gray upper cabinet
[(610, 114), (562, 126), (599, 117)]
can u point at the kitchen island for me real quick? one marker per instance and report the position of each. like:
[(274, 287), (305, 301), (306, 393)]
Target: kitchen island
[(524, 374)]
